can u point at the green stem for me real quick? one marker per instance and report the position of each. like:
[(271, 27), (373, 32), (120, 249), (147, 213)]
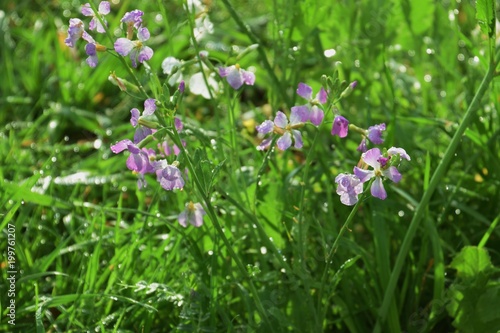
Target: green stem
[(267, 66), (328, 259), (215, 221), (435, 181), (122, 59)]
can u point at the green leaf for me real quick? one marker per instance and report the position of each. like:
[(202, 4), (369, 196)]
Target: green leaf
[(422, 16), (471, 262), (485, 14)]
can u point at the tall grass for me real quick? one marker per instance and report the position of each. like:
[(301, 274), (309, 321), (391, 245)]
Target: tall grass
[(278, 251)]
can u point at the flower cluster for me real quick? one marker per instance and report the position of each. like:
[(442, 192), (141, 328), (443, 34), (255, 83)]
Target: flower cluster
[(284, 130), (144, 160), (384, 165), (135, 49), (349, 186)]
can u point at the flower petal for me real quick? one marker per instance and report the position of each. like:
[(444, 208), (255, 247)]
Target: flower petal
[(141, 133), (224, 71), (104, 8), (393, 174), (322, 96), (134, 118), (121, 146), (143, 34), (87, 10), (149, 106), (280, 120), (377, 189), (297, 137), (235, 79), (123, 46), (316, 115), (145, 54), (285, 141), (182, 218), (304, 91), (375, 133), (264, 144), (371, 157), (340, 126), (402, 153), (248, 77), (363, 175), (266, 127), (299, 114)]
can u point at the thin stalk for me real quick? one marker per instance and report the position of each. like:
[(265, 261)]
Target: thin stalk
[(267, 66), (328, 259), (435, 180), (215, 221), (120, 57)]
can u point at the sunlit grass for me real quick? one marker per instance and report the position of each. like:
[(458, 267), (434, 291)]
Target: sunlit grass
[(95, 253)]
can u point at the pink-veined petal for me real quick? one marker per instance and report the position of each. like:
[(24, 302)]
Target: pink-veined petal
[(248, 77), (235, 79), (280, 120), (266, 127), (123, 46), (224, 71), (182, 218), (104, 8), (149, 106), (143, 34), (304, 91), (363, 175), (322, 96), (134, 116), (87, 10), (299, 114), (264, 144), (402, 153), (371, 157), (285, 141), (121, 146), (297, 137), (340, 126), (316, 115), (377, 189), (393, 174)]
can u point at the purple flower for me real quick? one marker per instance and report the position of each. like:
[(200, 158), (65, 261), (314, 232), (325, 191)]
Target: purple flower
[(193, 214), (133, 18), (137, 50), (349, 187), (316, 114), (169, 176), (236, 76), (95, 22), (168, 149), (398, 151), (374, 133), (139, 159), (340, 126), (142, 131), (91, 49), (381, 168), (286, 129), (76, 31), (362, 146)]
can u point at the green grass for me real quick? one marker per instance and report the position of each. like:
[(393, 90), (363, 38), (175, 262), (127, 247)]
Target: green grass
[(278, 251)]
